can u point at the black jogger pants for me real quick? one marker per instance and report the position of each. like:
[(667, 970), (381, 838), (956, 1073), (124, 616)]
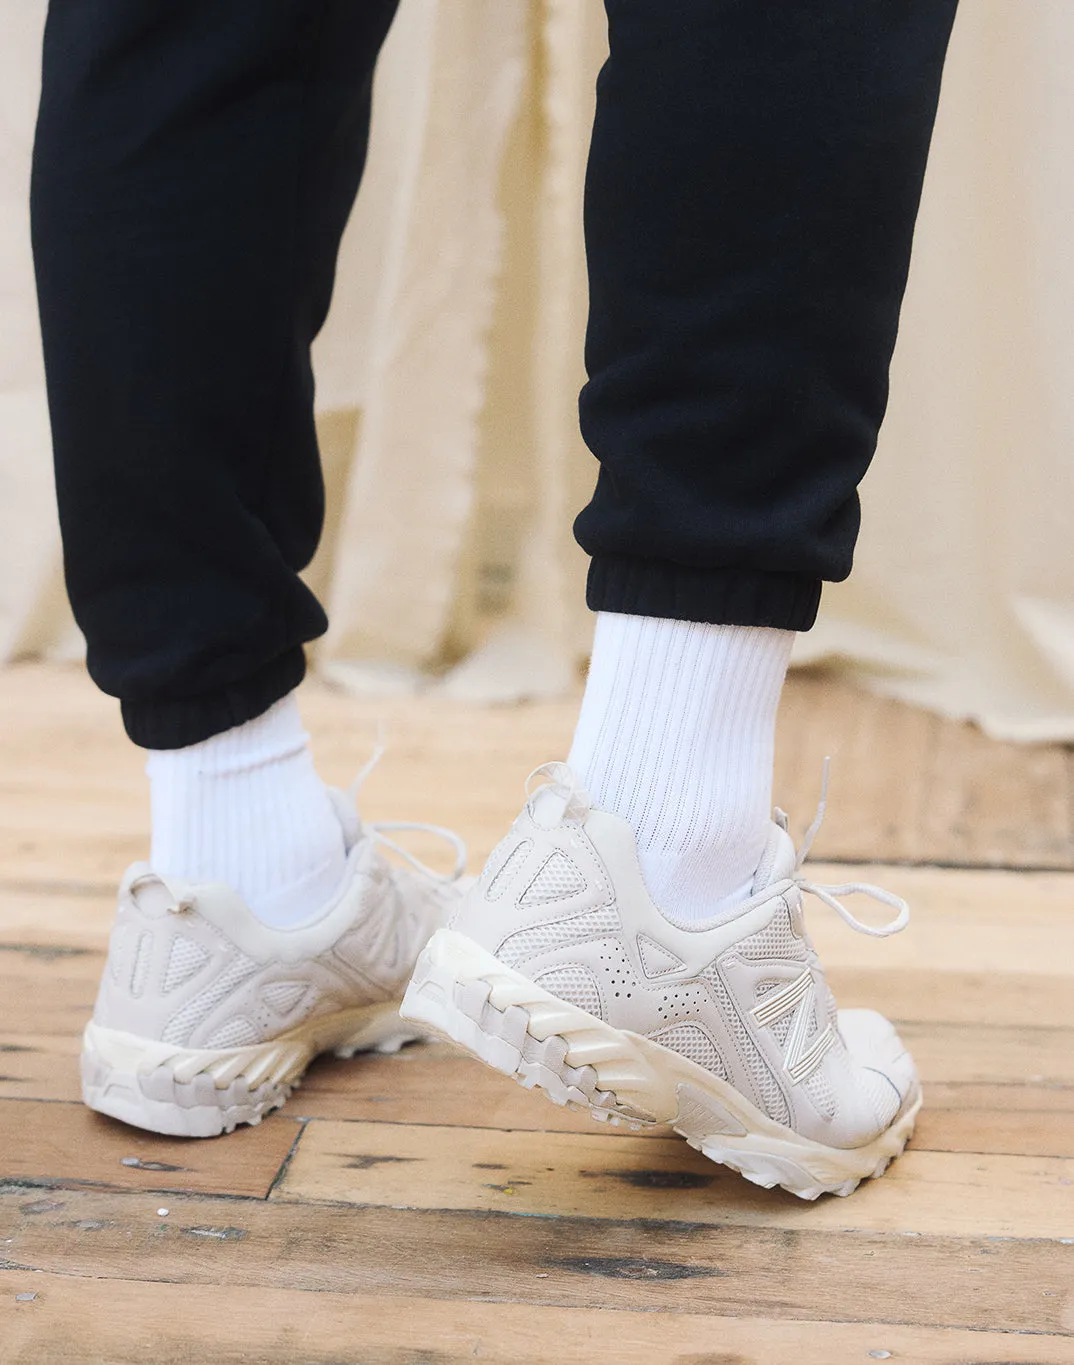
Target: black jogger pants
[(753, 184)]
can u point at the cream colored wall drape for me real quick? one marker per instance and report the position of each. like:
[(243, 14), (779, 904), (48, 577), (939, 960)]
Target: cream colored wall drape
[(448, 375)]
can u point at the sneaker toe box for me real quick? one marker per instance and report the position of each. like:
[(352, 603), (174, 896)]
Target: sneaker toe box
[(875, 1045)]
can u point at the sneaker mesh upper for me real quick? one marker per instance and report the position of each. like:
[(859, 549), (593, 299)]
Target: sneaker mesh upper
[(183, 1023), (237, 1032), (695, 1043), (776, 939), (556, 879), (541, 937), (576, 985), (765, 1084), (185, 959)]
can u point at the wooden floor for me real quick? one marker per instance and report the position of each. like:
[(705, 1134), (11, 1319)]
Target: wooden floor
[(420, 1209)]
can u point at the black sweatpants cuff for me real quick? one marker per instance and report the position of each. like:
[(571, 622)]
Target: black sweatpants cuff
[(174, 723), (731, 597)]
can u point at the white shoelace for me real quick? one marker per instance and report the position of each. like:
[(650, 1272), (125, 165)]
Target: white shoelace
[(377, 830), (563, 782), (576, 807), (829, 893)]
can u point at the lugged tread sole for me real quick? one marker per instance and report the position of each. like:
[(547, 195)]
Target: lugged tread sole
[(202, 1092), (460, 992)]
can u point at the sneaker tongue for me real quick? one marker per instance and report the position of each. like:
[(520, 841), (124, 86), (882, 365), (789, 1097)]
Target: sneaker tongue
[(777, 861)]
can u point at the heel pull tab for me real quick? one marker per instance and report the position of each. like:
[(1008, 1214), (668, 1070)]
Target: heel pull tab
[(157, 895)]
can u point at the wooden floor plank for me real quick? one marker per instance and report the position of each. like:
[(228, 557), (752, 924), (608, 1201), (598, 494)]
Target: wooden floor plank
[(579, 1175), (435, 1084), (970, 1230), (996, 1131), (57, 1144), (957, 997), (61, 1007), (70, 1318), (907, 785), (39, 1066), (641, 1267)]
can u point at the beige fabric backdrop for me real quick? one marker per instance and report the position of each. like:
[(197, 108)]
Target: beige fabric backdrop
[(449, 370)]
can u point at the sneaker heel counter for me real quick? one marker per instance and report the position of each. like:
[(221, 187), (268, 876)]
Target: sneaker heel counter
[(475, 917), (127, 976)]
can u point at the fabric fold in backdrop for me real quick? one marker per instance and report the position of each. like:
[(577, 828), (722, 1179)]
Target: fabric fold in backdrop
[(449, 369)]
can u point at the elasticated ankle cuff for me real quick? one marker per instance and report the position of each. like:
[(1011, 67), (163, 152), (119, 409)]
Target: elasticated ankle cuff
[(732, 597), (174, 723)]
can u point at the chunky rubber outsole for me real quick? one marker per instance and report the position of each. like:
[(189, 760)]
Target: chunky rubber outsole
[(201, 1092), (460, 992)]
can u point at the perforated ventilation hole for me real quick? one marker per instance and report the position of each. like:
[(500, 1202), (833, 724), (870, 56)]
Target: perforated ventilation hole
[(621, 983), (556, 879)]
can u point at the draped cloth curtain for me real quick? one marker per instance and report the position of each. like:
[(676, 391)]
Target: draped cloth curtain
[(449, 369)]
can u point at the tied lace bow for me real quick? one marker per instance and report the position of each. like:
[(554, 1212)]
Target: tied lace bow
[(829, 894), (378, 831)]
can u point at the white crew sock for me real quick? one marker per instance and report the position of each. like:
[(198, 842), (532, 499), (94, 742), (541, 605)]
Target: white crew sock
[(676, 734), (247, 808)]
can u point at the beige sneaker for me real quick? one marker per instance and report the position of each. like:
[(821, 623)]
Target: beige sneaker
[(207, 1018), (558, 969)]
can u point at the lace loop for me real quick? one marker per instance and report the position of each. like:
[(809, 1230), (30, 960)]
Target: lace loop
[(829, 894), (563, 782), (377, 829)]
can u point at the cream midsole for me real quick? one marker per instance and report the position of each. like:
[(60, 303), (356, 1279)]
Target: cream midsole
[(277, 1061), (647, 1079)]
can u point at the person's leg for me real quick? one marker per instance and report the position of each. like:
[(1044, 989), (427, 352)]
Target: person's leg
[(753, 186), (637, 943), (194, 167), (195, 164)]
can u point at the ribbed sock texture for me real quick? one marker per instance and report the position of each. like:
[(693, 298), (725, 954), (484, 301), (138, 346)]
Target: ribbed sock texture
[(247, 808), (677, 734)]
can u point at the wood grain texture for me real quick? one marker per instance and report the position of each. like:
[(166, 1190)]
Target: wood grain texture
[(583, 1175), (432, 1211), (55, 1144), (434, 1083), (129, 1320), (907, 786), (634, 1266)]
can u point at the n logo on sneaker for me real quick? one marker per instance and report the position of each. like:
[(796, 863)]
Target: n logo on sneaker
[(798, 997)]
